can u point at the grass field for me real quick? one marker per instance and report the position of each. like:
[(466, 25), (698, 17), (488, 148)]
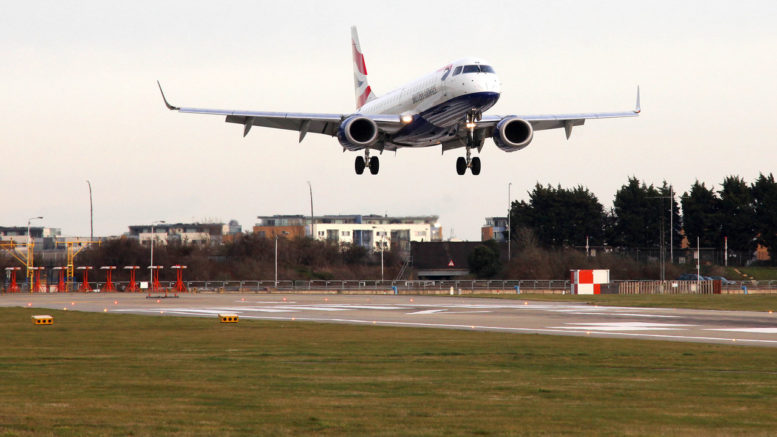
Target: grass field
[(98, 374), (760, 273), (728, 302)]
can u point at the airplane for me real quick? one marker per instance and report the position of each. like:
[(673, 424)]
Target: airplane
[(444, 108)]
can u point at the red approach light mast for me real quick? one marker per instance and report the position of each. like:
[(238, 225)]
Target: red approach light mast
[(85, 287), (14, 287), (108, 278), (61, 286), (133, 285), (179, 286)]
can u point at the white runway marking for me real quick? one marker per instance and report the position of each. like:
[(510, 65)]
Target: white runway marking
[(622, 326), (753, 330), (512, 329), (470, 312), (427, 312), (264, 301)]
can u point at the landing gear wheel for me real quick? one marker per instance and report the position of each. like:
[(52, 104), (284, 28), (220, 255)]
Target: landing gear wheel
[(359, 165), (461, 165), (475, 166), (374, 165)]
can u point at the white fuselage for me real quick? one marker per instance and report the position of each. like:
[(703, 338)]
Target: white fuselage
[(439, 100)]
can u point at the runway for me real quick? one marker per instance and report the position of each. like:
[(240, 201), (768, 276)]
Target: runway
[(516, 316)]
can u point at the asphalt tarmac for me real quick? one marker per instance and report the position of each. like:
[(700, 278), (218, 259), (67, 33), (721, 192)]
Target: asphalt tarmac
[(516, 316)]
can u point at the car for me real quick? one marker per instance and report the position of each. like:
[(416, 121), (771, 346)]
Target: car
[(722, 280), (690, 277)]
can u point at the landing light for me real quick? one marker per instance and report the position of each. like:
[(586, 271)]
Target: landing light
[(407, 119), (471, 125)]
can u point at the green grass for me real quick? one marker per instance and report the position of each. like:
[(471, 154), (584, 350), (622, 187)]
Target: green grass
[(98, 374), (758, 273), (726, 302)]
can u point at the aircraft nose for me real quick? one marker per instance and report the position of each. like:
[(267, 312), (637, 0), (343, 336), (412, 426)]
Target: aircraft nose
[(489, 82)]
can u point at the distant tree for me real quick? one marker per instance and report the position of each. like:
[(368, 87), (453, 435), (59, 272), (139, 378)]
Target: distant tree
[(560, 217), (737, 212), (701, 216), (765, 206), (484, 260), (355, 254), (636, 215)]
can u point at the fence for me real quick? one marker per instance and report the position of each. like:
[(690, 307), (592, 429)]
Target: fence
[(442, 287)]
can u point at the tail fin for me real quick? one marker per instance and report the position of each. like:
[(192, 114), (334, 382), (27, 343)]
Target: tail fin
[(363, 91)]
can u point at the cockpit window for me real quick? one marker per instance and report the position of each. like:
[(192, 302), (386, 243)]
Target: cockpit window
[(471, 69), (486, 69), (457, 70)]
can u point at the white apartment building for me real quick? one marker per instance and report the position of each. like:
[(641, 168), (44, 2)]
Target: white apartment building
[(369, 231), (185, 233)]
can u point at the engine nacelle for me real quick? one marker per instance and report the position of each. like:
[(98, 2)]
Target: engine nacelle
[(512, 133), (357, 132)]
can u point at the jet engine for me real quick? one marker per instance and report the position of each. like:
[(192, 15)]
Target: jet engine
[(512, 133), (357, 132)]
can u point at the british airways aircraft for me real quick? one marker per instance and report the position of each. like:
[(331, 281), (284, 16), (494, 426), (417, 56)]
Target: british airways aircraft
[(444, 108)]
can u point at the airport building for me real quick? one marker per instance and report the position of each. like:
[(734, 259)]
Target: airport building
[(39, 235), (369, 231), (494, 229), (184, 233)]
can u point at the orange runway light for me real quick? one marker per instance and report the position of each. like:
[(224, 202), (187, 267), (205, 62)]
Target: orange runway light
[(115, 302)]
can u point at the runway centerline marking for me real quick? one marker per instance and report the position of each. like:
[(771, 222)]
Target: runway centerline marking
[(750, 330), (622, 326)]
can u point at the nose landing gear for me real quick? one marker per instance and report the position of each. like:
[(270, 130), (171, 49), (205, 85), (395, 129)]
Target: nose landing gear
[(462, 164)]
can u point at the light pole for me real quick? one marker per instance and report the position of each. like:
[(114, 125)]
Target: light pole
[(310, 188), (30, 247), (276, 257), (509, 198), (91, 213), (151, 274), (662, 240), (382, 248)]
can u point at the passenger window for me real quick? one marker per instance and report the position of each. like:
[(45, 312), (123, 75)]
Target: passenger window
[(487, 69), (471, 69), (457, 70)]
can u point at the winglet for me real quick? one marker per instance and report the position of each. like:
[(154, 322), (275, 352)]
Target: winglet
[(169, 106), (638, 109)]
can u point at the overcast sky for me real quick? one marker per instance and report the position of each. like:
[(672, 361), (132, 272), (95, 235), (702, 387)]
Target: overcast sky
[(79, 99)]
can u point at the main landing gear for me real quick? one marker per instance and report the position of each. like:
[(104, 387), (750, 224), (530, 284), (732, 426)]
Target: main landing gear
[(473, 163), (361, 163)]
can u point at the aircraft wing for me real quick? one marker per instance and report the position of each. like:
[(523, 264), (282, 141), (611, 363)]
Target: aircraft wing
[(297, 121), (555, 121)]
